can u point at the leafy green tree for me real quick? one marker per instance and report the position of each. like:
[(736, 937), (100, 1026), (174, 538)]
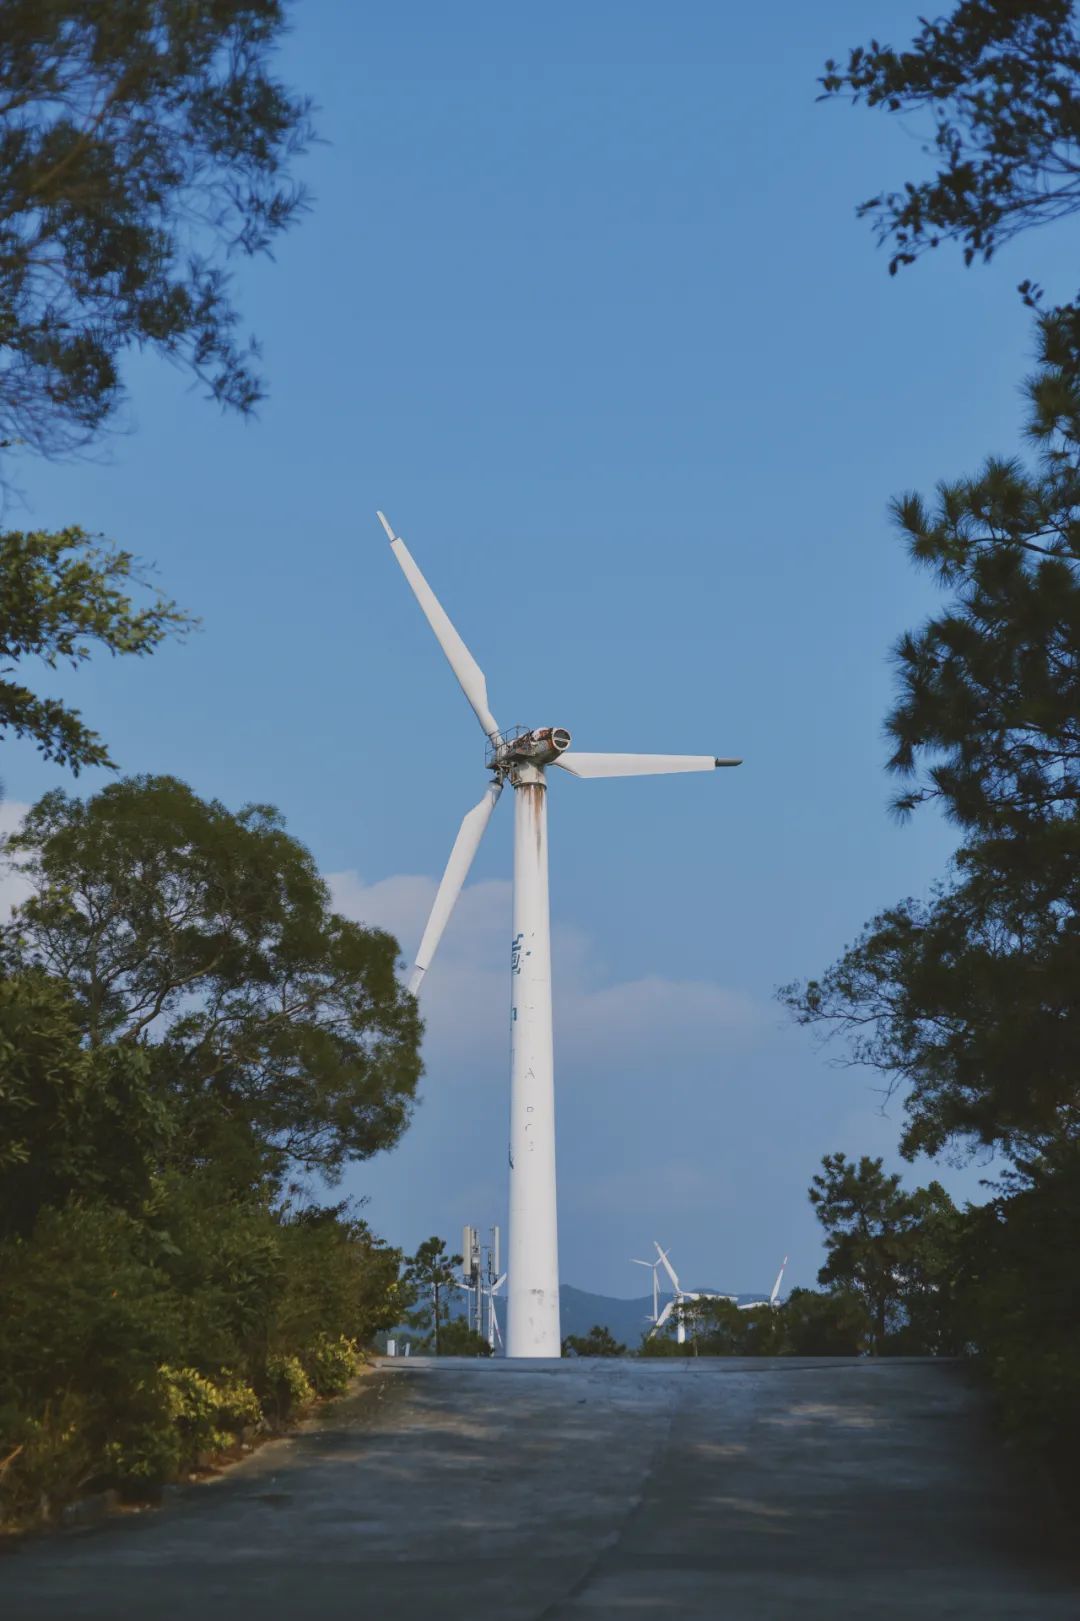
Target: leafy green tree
[(967, 1002), (431, 1276), (885, 1246), (141, 145), (60, 594), (336, 1272), (1019, 1298), (662, 1343), (824, 1324), (74, 1121), (599, 1341), (1000, 83), (762, 1331), (986, 718), (457, 1337), (87, 1319), (716, 1328), (206, 939)]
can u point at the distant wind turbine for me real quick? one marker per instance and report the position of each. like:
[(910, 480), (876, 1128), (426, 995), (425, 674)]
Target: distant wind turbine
[(655, 1287), (494, 1331), (676, 1303), (521, 758), (755, 1305)]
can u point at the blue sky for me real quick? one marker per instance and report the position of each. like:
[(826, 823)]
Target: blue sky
[(583, 305)]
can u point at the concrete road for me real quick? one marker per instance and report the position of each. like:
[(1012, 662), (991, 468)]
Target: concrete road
[(575, 1491)]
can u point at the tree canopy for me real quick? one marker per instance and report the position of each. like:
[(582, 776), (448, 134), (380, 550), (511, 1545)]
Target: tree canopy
[(1000, 81), (140, 145), (430, 1276), (60, 594), (599, 1341), (986, 725), (74, 1120), (890, 1249), (989, 701), (966, 1002), (206, 938)]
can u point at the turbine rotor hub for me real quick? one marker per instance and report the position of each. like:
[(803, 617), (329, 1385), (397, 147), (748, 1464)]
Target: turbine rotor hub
[(520, 746)]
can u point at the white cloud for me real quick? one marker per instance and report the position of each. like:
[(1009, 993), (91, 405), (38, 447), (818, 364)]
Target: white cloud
[(465, 995)]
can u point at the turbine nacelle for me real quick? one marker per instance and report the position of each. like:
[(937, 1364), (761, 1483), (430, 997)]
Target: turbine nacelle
[(541, 746)]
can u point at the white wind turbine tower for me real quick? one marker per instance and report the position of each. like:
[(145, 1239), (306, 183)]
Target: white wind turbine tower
[(654, 1319), (521, 758)]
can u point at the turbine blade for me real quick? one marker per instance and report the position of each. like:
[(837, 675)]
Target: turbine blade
[(470, 675), (664, 1315), (668, 1268), (776, 1285), (453, 880), (636, 765)]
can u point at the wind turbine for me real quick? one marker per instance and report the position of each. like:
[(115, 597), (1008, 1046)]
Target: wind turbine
[(494, 1331), (775, 1295), (521, 757), (675, 1304), (655, 1287), (756, 1305)]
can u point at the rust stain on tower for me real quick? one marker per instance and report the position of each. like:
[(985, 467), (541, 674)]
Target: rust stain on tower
[(534, 798)]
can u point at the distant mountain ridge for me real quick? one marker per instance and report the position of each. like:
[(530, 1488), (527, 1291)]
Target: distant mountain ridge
[(628, 1320), (580, 1310)]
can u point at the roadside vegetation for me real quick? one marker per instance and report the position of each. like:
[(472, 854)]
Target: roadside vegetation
[(966, 1004), (189, 1036), (190, 1039)]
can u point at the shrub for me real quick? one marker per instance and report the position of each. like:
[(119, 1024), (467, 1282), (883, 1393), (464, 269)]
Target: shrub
[(336, 1278), (145, 1453), (331, 1363), (86, 1310), (599, 1341), (288, 1388), (207, 1414), (134, 1341), (47, 1460)]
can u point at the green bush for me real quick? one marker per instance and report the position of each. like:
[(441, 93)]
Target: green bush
[(336, 1278), (147, 1449), (132, 1344), (239, 1408), (86, 1310), (46, 1460), (206, 1415), (331, 1363), (288, 1389), (1020, 1301)]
